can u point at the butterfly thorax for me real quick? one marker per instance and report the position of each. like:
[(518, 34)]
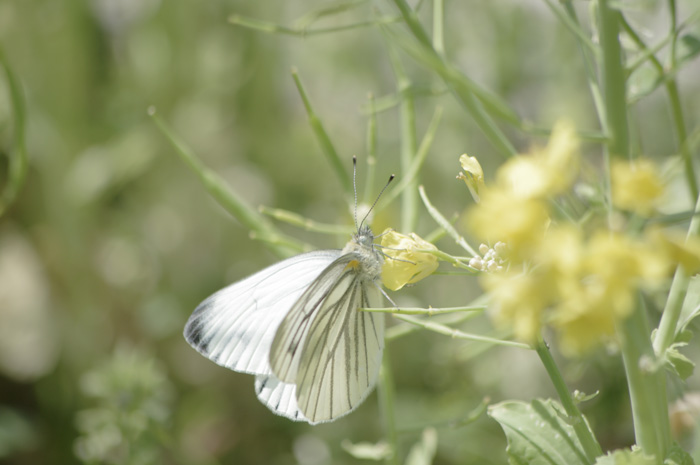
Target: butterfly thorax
[(368, 261)]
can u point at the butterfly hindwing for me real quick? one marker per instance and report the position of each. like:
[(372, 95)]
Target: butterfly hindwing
[(235, 327), (278, 396), (327, 347)]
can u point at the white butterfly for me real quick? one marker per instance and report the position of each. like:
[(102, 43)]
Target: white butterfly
[(297, 327)]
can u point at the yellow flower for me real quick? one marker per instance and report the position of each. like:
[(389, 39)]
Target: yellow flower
[(636, 186), (406, 263), (518, 301), (545, 172), (517, 221), (601, 289), (678, 249), (582, 324), (473, 175)]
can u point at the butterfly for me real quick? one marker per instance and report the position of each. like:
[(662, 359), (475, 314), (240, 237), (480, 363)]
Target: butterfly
[(297, 327)]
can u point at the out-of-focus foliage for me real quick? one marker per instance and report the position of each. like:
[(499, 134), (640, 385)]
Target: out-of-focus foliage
[(112, 242)]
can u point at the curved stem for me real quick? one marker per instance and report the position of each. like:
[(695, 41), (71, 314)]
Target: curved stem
[(583, 432)]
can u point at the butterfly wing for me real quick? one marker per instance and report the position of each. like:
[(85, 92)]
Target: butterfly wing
[(278, 396), (329, 349), (235, 327)]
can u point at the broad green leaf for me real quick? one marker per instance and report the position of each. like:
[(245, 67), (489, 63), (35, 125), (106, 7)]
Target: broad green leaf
[(625, 457), (538, 433), (423, 452)]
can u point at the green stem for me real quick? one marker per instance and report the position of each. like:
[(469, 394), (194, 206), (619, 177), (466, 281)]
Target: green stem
[(438, 27), (323, 137), (588, 53), (386, 403), (409, 177), (445, 224), (463, 88), (676, 108), (583, 432), (409, 142), (305, 223), (272, 28), (613, 75), (674, 305), (457, 334), (224, 195), (426, 311), (647, 387), (371, 148)]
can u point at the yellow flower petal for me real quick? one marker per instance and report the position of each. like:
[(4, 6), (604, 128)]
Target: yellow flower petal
[(544, 172), (517, 221), (678, 248), (473, 175), (636, 186), (518, 301), (406, 264)]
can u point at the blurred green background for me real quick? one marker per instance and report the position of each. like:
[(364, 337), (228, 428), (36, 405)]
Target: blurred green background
[(113, 241)]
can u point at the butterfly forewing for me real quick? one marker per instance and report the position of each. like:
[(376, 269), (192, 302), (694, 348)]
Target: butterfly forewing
[(235, 327), (288, 344)]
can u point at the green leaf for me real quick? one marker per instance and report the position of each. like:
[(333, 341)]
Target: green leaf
[(625, 457), (691, 304), (538, 433), (423, 452), (688, 48), (642, 82), (678, 456), (677, 362)]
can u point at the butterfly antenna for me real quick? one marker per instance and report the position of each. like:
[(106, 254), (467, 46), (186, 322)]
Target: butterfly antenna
[(354, 186), (391, 178)]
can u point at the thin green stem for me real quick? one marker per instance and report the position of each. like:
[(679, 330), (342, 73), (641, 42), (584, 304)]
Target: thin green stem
[(463, 88), (224, 195), (583, 432), (410, 176), (272, 28), (426, 311), (305, 223), (446, 225), (674, 305), (386, 403), (570, 20), (438, 27), (371, 148), (588, 51), (409, 142), (323, 138), (457, 262), (676, 108), (457, 334)]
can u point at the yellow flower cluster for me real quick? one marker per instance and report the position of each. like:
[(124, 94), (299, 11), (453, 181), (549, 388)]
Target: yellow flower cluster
[(578, 283)]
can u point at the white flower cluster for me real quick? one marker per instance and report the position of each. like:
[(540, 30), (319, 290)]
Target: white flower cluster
[(491, 258)]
